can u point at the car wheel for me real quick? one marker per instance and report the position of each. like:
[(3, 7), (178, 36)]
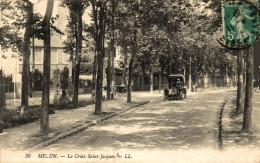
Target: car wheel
[(181, 94)]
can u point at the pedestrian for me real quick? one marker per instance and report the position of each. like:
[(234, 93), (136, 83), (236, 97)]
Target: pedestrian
[(64, 100), (122, 84)]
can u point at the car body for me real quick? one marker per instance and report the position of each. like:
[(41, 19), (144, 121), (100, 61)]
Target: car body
[(176, 87)]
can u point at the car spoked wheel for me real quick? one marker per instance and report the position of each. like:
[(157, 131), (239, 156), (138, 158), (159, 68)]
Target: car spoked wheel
[(181, 95)]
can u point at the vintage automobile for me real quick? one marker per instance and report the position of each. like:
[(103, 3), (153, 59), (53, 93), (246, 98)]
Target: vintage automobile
[(176, 88)]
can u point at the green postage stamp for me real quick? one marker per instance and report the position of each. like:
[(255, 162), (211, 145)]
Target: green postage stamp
[(240, 22)]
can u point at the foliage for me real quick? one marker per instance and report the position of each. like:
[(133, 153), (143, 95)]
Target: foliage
[(14, 22), (56, 78), (64, 78), (36, 77), (71, 30), (86, 65), (11, 118)]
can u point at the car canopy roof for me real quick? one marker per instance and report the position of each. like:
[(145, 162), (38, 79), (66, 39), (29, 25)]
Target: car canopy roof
[(181, 77)]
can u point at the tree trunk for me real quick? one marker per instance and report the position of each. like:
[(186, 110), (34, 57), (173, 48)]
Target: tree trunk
[(247, 119), (1, 99), (76, 83), (244, 70), (2, 92), (44, 122), (113, 50), (160, 80), (108, 72), (240, 87), (26, 57), (190, 77), (142, 86), (194, 76), (78, 35), (208, 80), (98, 106), (130, 76), (125, 63), (70, 80), (112, 73), (143, 74), (151, 81), (94, 76)]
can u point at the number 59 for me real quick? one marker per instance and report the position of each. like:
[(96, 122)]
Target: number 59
[(27, 155)]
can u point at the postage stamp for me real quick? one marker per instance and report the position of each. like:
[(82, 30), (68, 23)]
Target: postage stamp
[(240, 22)]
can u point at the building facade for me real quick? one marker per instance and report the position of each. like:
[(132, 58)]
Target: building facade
[(59, 59)]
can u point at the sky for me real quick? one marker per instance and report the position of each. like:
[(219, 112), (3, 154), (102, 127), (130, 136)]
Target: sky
[(40, 7)]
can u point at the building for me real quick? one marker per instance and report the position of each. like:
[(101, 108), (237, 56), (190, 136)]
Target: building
[(59, 59)]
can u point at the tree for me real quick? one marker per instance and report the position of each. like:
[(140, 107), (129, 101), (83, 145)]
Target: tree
[(10, 32), (18, 19), (240, 86), (128, 15), (247, 118), (56, 78), (44, 121), (134, 51), (110, 62), (64, 78), (26, 55), (90, 31), (37, 78), (98, 12), (3, 45), (2, 104), (76, 10)]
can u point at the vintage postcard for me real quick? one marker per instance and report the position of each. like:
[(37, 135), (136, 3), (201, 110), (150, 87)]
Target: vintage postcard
[(163, 81)]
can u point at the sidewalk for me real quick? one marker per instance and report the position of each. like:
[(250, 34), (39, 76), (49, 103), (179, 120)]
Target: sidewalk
[(65, 121), (232, 124), (14, 104)]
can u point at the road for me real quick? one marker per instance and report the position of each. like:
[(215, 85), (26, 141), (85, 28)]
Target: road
[(168, 125)]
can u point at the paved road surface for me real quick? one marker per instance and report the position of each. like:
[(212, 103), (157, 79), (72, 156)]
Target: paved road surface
[(167, 125)]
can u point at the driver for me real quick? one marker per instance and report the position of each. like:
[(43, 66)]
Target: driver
[(178, 83)]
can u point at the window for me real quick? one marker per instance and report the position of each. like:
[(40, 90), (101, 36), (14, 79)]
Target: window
[(59, 56), (38, 52), (54, 55), (66, 57), (31, 56)]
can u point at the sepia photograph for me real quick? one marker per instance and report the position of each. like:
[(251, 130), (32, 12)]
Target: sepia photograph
[(129, 81)]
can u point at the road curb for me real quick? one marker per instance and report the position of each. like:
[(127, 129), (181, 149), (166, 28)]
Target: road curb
[(220, 124), (82, 127)]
